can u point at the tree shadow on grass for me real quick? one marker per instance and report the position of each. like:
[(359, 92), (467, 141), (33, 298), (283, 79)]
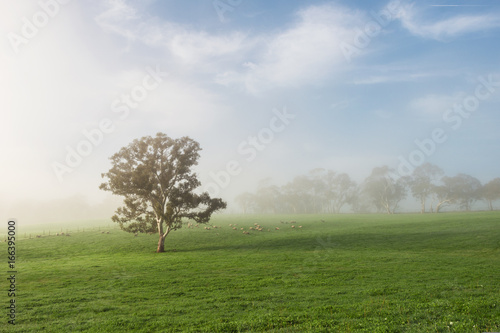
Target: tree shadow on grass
[(414, 241)]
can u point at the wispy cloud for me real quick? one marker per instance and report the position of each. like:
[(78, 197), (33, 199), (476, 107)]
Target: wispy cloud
[(414, 20), (432, 106), (395, 74), (116, 16), (69, 75), (303, 53), (457, 5), (198, 49)]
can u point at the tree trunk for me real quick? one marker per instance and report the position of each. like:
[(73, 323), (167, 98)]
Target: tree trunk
[(337, 208), (161, 240), (161, 245), (439, 205)]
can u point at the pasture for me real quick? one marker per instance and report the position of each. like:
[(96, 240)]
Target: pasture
[(337, 273)]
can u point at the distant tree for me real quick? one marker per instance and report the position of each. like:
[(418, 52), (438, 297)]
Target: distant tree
[(422, 182), (443, 195), (491, 192), (361, 203), (340, 190), (247, 201), (155, 177), (462, 190), (384, 189), (468, 190), (318, 190), (299, 195), (268, 199)]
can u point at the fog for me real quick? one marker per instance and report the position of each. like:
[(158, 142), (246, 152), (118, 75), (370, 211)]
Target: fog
[(71, 209), (276, 91)]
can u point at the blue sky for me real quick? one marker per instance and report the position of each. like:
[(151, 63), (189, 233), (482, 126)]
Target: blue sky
[(361, 81)]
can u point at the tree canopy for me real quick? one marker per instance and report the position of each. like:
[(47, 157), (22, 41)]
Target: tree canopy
[(422, 182), (154, 176), (327, 191), (491, 192)]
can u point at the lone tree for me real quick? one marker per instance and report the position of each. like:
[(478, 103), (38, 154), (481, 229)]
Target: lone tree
[(154, 175)]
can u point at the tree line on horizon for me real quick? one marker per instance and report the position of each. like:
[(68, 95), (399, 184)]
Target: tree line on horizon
[(327, 191)]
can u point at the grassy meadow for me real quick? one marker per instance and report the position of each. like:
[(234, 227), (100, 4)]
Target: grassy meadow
[(343, 273)]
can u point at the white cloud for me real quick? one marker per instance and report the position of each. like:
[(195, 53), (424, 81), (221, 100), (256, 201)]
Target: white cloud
[(198, 47), (303, 54), (61, 84), (414, 21), (340, 105), (433, 106), (181, 108), (394, 77), (65, 79), (116, 16)]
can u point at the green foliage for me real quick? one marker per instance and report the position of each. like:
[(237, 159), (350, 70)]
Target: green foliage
[(350, 273), (155, 177)]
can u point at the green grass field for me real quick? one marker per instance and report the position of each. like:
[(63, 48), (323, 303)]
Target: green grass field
[(351, 273)]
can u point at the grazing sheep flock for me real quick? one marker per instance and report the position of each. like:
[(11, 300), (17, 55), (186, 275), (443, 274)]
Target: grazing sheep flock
[(248, 230), (245, 230), (255, 227), (63, 234)]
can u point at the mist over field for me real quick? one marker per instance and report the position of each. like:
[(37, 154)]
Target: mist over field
[(271, 91), (76, 208), (250, 165)]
